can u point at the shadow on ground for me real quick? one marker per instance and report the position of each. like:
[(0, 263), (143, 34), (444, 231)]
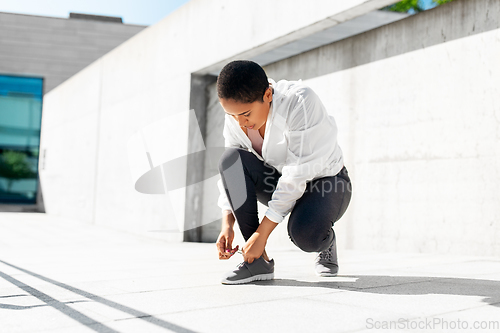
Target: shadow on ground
[(402, 285), (65, 309), (376, 284)]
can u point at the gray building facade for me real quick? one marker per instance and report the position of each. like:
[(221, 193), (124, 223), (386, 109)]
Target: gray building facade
[(57, 48), (37, 54)]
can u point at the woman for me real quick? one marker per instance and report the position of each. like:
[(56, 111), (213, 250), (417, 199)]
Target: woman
[(281, 150)]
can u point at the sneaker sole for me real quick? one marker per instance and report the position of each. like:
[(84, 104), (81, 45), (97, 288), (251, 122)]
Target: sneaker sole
[(260, 277), (326, 274)]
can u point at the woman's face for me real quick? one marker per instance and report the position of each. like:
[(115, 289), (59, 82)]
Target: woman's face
[(249, 115)]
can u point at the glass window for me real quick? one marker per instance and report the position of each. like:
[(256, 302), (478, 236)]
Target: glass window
[(20, 122)]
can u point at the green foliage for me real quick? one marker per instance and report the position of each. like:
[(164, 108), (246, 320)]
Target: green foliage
[(406, 6), (15, 165)]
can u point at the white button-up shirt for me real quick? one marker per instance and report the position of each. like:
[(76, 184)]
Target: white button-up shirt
[(300, 141)]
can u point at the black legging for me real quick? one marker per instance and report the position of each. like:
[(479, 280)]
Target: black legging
[(324, 201)]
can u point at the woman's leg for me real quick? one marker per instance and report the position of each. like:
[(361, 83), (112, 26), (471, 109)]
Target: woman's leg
[(258, 183), (324, 202)]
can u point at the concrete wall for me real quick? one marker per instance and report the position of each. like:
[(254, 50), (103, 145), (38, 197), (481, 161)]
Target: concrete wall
[(56, 48), (88, 120), (418, 109)]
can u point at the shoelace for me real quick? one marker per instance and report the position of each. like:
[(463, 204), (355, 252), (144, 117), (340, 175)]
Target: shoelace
[(326, 254)]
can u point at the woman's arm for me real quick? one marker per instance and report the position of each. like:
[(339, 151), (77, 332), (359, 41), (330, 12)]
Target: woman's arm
[(312, 147), (266, 227), (228, 219), (255, 245), (226, 236)]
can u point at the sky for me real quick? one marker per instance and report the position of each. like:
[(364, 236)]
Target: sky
[(143, 12), (427, 4)]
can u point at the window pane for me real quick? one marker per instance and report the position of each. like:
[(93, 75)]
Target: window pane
[(20, 121)]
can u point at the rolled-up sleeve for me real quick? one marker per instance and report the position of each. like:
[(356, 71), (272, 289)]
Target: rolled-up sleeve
[(311, 141), (223, 202)]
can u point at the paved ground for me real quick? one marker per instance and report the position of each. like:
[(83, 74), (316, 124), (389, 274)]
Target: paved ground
[(62, 276)]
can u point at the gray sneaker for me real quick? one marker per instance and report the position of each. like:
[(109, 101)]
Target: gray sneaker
[(326, 263), (259, 269)]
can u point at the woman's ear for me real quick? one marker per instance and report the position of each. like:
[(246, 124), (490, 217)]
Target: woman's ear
[(268, 96)]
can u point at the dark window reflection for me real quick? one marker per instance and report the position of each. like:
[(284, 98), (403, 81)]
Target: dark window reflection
[(20, 121)]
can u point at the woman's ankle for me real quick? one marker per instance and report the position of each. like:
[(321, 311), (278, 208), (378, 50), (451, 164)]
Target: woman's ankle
[(264, 255)]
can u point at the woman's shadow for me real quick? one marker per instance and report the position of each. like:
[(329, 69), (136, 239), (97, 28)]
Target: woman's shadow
[(403, 285)]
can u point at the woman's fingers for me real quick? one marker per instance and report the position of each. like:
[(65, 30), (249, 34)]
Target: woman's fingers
[(224, 254), (225, 250), (228, 253), (232, 251), (220, 246)]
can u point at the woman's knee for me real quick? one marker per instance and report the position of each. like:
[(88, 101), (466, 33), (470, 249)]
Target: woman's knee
[(310, 240), (229, 158)]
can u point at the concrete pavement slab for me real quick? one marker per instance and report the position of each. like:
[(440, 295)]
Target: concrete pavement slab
[(59, 275), (294, 314)]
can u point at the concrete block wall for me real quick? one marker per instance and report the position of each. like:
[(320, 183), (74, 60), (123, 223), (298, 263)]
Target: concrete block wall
[(417, 107), (418, 110)]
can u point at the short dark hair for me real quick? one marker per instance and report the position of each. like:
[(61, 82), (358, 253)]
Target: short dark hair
[(243, 81)]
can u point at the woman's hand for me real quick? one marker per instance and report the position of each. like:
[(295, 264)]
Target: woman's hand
[(254, 247), (224, 243), (256, 244)]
